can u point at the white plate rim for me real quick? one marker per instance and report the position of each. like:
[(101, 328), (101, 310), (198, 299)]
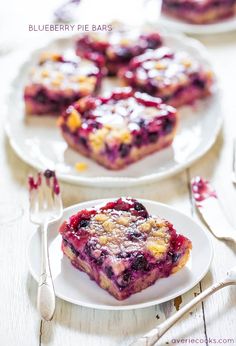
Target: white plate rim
[(121, 181), (133, 306)]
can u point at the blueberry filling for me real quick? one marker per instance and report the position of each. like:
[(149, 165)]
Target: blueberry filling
[(41, 97), (199, 83), (49, 174), (53, 104), (138, 206), (175, 257), (90, 247), (83, 223), (153, 136), (151, 43), (124, 53), (124, 150), (140, 263), (99, 260), (74, 251), (134, 235), (168, 125), (94, 254), (83, 141), (141, 123), (109, 271), (196, 84), (138, 140), (124, 280)]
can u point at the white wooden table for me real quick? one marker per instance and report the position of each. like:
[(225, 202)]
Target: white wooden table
[(214, 320)]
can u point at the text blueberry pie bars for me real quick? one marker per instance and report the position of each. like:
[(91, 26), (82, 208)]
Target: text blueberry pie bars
[(118, 129), (200, 12), (58, 80), (114, 49), (122, 247), (176, 77)]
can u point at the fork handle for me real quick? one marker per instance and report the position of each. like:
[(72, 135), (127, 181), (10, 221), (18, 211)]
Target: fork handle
[(155, 334), (46, 294)]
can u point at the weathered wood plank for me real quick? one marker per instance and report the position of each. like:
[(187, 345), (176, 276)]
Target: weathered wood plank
[(216, 165), (17, 288)]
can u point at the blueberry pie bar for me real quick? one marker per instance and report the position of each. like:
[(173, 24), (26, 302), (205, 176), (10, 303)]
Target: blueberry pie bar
[(122, 247), (117, 47), (58, 80), (200, 12), (118, 129), (176, 77)]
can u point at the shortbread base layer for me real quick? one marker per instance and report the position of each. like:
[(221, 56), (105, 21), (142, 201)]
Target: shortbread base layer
[(144, 281), (134, 155)]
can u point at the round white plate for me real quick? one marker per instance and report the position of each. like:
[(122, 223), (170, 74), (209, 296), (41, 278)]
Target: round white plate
[(76, 287), (39, 143), (175, 24)]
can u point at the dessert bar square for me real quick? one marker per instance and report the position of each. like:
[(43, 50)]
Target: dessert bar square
[(176, 77), (117, 47), (118, 129), (58, 80), (122, 247), (200, 12)]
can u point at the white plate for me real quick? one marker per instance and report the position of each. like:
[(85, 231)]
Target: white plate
[(175, 24), (76, 287), (39, 143)]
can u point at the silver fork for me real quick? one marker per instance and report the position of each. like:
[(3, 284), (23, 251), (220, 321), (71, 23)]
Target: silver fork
[(155, 334), (45, 207)]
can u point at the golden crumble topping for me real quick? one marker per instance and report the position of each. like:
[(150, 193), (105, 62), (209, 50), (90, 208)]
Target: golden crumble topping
[(74, 120), (120, 231), (65, 73)]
